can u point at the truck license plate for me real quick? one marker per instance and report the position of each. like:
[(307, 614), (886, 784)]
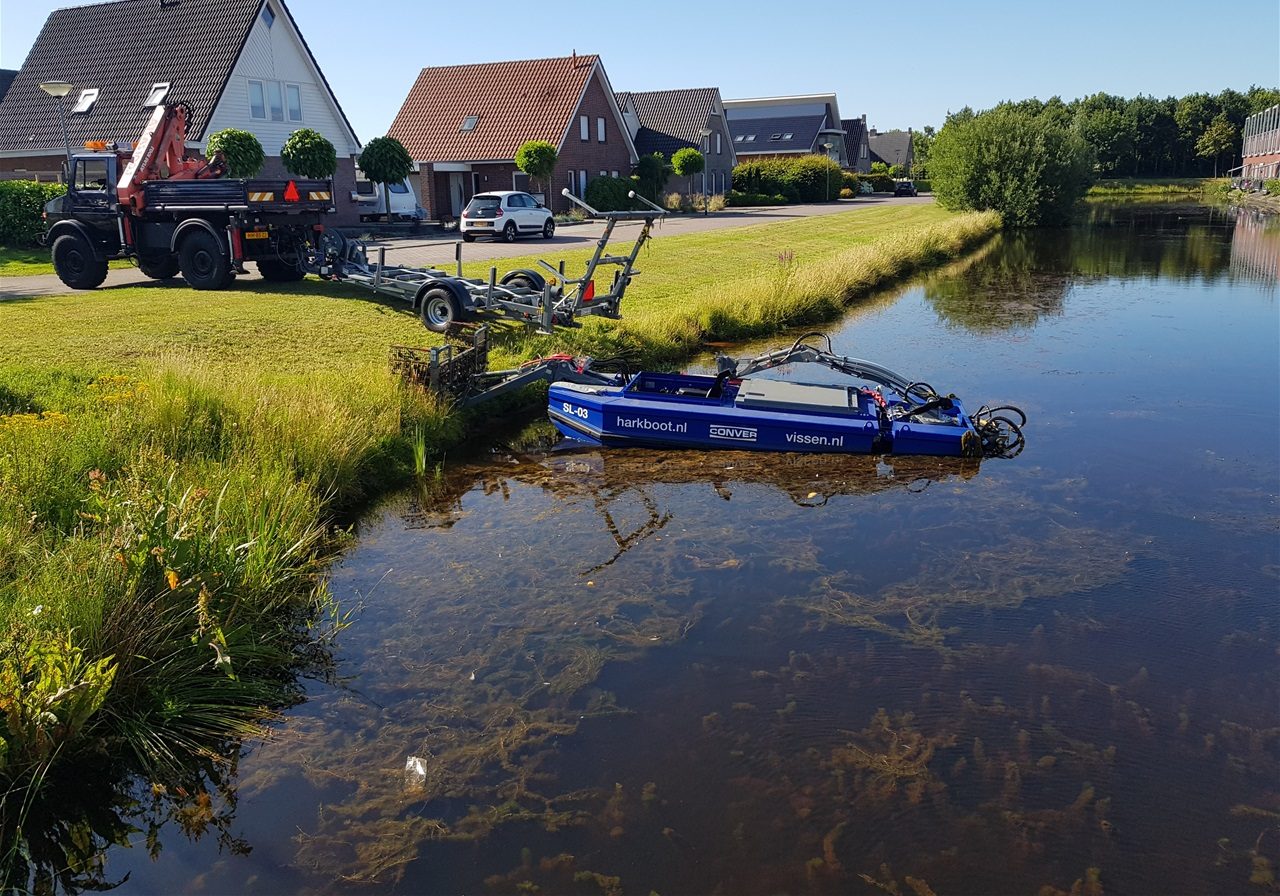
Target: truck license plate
[(256, 235)]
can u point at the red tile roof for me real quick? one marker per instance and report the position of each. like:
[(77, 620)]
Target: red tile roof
[(532, 99)]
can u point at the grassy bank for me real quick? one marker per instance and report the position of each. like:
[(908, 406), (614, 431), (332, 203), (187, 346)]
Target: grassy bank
[(1157, 186), (31, 262), (171, 462)]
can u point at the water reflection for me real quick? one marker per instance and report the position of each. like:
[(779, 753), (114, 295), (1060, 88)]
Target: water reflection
[(1255, 247), (617, 672)]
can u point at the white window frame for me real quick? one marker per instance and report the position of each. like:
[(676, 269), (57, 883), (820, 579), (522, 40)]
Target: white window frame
[(263, 88), (584, 128), (288, 112), (613, 174), (573, 182), (600, 131), (157, 95), (88, 99), (719, 151), (279, 95), (582, 182)]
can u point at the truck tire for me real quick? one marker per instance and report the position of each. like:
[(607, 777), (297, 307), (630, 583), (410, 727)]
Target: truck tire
[(203, 262), (278, 271), (76, 264), (162, 268), (439, 310)]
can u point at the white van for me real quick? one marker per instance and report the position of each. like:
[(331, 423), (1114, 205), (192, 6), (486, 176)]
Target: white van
[(372, 200)]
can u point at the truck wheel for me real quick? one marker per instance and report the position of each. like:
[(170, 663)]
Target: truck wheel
[(278, 271), (509, 232), (439, 310), (203, 263), (164, 268), (75, 263)]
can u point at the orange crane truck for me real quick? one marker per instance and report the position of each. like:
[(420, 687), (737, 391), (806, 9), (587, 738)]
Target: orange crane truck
[(174, 214)]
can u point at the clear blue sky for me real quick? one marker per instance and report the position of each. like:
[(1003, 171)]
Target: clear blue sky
[(903, 64)]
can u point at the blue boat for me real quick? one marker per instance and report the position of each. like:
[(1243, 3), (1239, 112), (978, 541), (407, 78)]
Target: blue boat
[(881, 413)]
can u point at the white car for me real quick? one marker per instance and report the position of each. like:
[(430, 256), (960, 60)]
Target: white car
[(504, 215)]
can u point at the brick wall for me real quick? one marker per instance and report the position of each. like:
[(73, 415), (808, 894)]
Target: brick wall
[(45, 168), (591, 156)]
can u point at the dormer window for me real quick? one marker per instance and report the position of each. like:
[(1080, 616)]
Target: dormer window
[(157, 95), (469, 123), (268, 15), (86, 101)]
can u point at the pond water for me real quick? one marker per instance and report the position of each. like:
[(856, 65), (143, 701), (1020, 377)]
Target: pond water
[(578, 671)]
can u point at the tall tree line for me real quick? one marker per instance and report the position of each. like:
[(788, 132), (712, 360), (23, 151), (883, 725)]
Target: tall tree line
[(1198, 135)]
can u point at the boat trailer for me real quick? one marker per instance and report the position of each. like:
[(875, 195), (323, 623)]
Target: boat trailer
[(443, 300)]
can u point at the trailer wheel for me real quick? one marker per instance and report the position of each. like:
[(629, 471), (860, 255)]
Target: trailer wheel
[(509, 232), (278, 271), (75, 263), (439, 310), (524, 280), (163, 268), (203, 263)]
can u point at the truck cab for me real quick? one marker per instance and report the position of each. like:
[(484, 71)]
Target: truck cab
[(91, 200)]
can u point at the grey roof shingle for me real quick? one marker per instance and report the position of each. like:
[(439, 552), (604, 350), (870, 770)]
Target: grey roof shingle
[(6, 78), (803, 131), (891, 147), (670, 120), (854, 134), (122, 48)]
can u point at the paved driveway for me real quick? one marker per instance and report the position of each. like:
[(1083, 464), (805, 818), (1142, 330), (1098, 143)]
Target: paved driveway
[(439, 252)]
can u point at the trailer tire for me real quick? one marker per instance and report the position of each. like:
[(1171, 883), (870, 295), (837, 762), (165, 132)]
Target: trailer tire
[(162, 268), (523, 279), (439, 310), (203, 263), (279, 271), (76, 264), (509, 232)]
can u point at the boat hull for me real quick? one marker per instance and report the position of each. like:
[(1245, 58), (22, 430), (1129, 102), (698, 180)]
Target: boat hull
[(623, 417)]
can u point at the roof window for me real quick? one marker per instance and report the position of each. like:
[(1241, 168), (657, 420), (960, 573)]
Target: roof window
[(157, 95), (739, 138), (469, 123), (268, 15), (775, 137), (86, 101), (751, 138), (787, 136)]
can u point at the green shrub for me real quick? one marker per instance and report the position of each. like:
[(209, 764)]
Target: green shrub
[(846, 193), (1030, 169), (738, 199), (609, 194), (309, 153), (850, 180), (811, 178), (924, 186), (385, 161), (650, 175), (880, 182), (21, 206), (241, 149), (537, 158), (1272, 186)]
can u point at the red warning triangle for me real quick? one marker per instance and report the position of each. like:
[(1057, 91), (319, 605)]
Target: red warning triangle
[(291, 193)]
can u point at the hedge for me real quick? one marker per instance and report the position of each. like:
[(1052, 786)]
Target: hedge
[(609, 194), (812, 178), (737, 199), (21, 209)]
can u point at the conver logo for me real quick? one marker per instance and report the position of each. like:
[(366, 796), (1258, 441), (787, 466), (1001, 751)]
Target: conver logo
[(652, 425), (734, 433)]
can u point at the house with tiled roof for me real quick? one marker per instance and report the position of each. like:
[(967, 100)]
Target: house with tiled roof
[(666, 121), (857, 147), (787, 125), (237, 63), (463, 125), (892, 147)]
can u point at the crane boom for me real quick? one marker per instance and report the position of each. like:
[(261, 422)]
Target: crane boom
[(160, 154)]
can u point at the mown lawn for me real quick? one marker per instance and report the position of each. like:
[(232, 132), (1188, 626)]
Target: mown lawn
[(33, 262)]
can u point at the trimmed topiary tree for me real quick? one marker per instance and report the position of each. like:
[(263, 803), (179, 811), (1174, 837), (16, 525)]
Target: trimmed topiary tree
[(241, 149), (687, 162), (537, 158), (385, 161), (308, 153), (650, 175)]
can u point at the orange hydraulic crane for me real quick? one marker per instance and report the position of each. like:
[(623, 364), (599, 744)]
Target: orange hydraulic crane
[(160, 154)]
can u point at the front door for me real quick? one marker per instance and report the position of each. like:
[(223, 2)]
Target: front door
[(91, 197), (457, 193)]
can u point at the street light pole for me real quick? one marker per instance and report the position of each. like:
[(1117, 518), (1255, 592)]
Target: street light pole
[(705, 134), (827, 147), (60, 89)]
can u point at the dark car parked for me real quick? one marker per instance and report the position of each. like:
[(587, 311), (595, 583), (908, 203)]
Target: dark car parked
[(904, 188)]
